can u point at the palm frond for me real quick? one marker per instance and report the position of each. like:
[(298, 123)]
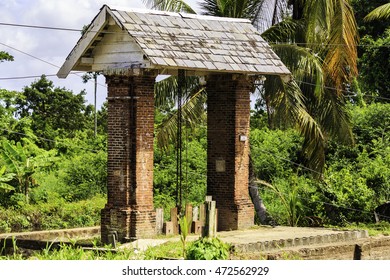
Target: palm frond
[(284, 31), (382, 12), (225, 8), (287, 102), (193, 112), (165, 92), (169, 5), (340, 62), (303, 63), (317, 21), (267, 13), (334, 118)]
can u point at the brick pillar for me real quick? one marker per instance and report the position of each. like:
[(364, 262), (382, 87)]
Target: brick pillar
[(228, 115), (129, 210)]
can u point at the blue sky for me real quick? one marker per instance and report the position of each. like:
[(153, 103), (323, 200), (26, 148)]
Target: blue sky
[(51, 46)]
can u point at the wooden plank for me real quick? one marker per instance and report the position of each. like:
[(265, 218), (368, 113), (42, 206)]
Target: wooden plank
[(197, 227), (195, 213), (128, 57), (87, 60), (159, 220), (202, 214), (114, 67), (84, 43), (188, 213), (175, 221), (168, 228), (209, 229)]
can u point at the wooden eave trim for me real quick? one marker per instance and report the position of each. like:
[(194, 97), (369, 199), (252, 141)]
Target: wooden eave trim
[(84, 43)]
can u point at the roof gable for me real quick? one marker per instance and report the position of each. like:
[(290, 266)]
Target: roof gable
[(119, 39)]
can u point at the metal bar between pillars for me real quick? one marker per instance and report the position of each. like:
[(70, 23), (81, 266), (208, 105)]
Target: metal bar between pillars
[(179, 170)]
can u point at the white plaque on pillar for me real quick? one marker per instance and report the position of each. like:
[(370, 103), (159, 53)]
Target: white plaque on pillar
[(220, 165)]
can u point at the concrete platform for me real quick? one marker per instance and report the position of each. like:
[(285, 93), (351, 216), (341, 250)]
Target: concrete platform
[(267, 239), (260, 239)]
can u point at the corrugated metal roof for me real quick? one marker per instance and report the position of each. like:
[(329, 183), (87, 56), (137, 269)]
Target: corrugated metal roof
[(201, 43)]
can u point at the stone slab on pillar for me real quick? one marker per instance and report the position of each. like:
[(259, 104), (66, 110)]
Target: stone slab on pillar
[(129, 210), (228, 116)]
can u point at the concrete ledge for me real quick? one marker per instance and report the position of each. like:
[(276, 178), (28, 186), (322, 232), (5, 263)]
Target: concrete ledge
[(50, 235), (283, 243), (373, 248)]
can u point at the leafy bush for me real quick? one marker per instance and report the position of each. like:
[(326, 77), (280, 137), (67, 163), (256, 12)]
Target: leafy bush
[(291, 200), (56, 214), (347, 197), (273, 152), (207, 249), (194, 179), (84, 176)]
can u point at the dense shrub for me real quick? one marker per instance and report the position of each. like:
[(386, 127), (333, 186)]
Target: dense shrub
[(206, 248), (84, 176), (57, 214)]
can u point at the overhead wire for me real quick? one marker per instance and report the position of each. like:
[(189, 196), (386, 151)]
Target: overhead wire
[(44, 61), (30, 77), (169, 36)]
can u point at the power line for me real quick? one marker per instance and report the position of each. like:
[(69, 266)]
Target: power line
[(30, 77), (40, 27), (345, 91), (178, 36), (30, 55), (44, 61)]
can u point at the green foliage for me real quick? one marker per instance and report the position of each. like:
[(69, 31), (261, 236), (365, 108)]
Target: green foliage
[(290, 201), (349, 196), (74, 252), (23, 161), (206, 248), (167, 250), (371, 123), (20, 164), (362, 8), (4, 56), (194, 170), (84, 176), (54, 111), (185, 228), (56, 214), (5, 178), (274, 151), (374, 70)]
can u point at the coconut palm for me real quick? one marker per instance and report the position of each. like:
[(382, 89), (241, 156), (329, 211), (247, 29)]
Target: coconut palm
[(316, 40), (382, 12)]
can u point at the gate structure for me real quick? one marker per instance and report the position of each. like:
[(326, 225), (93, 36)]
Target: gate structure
[(131, 48)]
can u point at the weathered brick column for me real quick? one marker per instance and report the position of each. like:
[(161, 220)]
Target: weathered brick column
[(228, 115), (129, 211)]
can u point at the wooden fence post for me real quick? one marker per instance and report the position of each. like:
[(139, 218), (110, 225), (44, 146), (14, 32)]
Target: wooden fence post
[(174, 220), (189, 216), (210, 226), (159, 220)]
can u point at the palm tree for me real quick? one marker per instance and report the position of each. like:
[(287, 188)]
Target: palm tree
[(317, 42), (382, 12)]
